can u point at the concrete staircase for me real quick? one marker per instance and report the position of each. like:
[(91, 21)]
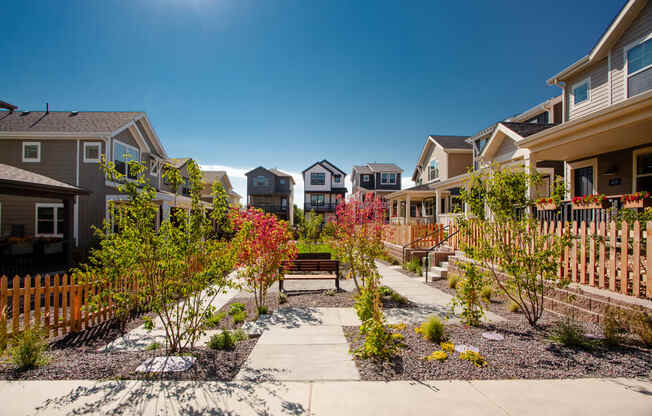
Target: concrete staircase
[(439, 261)]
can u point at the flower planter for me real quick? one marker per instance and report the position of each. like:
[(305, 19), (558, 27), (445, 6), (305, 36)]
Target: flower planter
[(591, 205), (21, 248), (546, 206), (641, 203)]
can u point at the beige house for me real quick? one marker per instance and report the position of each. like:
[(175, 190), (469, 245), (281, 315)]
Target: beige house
[(210, 177)]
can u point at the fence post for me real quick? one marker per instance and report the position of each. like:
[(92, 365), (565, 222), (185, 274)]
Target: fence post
[(636, 261), (648, 243), (624, 259), (3, 303), (15, 307), (75, 300)]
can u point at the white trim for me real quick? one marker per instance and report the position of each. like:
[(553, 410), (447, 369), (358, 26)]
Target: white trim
[(38, 151), (635, 154), (157, 163), (89, 144), (609, 77), (570, 177), (626, 61), (388, 182), (586, 81), (75, 222), (57, 207)]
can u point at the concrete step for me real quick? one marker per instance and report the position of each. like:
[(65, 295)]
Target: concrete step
[(438, 272), (444, 264)]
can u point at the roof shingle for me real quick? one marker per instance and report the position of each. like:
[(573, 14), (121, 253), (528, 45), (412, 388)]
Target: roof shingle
[(65, 121)]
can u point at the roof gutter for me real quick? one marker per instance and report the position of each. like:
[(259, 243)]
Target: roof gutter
[(568, 71)]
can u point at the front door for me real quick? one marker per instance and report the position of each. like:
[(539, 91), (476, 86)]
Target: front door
[(284, 203), (583, 181)]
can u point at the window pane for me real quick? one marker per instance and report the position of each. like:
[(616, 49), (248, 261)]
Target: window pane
[(45, 213), (581, 93), (384, 178), (639, 56), (92, 151), (31, 151), (644, 164), (644, 183), (639, 83), (392, 177), (45, 227)]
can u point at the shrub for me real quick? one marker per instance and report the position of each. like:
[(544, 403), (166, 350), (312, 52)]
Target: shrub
[(613, 326), (3, 331), (239, 335), (433, 330), (222, 341), (438, 355), (396, 337), (148, 323), (399, 327), (398, 298), (262, 310), (237, 307), (239, 317), (467, 295), (385, 291), (282, 298), (153, 346), (473, 357), (514, 307), (570, 333), (28, 349), (486, 293), (448, 347), (641, 325), (330, 292), (213, 320), (452, 280)]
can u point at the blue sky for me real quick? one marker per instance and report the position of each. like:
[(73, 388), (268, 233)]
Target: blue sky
[(243, 83)]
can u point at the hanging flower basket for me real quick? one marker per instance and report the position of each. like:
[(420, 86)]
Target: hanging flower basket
[(546, 204), (637, 200), (590, 202)]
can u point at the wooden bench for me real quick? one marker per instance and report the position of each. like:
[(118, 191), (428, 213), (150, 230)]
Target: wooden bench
[(314, 256), (331, 267)]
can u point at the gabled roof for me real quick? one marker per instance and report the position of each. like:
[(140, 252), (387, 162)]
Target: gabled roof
[(99, 122), (21, 179), (514, 131), (362, 168), (178, 162), (326, 165), (273, 171), (526, 129), (384, 167), (210, 176), (452, 142), (614, 31)]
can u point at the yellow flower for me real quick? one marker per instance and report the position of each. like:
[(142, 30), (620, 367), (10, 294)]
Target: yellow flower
[(473, 357), (437, 355), (448, 347)]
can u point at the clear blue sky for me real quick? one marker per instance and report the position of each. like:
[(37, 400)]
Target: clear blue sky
[(242, 83)]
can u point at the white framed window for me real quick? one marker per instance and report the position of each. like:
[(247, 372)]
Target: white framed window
[(642, 163), (581, 93), (31, 151), (317, 178), (154, 166), (433, 170), (337, 178), (638, 66), (388, 178), (48, 220), (365, 178), (92, 152), (122, 154), (260, 181)]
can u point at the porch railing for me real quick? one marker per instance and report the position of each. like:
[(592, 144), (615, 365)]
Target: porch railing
[(307, 207), (565, 212)]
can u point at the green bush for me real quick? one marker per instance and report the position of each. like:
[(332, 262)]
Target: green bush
[(263, 310), (330, 292), (148, 323), (641, 325), (239, 317), (28, 349), (514, 307), (452, 280), (486, 293), (414, 266), (239, 335), (153, 346), (213, 320), (237, 307), (226, 340), (282, 298), (3, 331), (613, 326), (385, 291), (570, 333), (398, 298), (433, 330)]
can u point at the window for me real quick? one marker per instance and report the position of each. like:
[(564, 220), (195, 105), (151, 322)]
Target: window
[(260, 181), (428, 205), (337, 178), (153, 167), (92, 152), (581, 92), (639, 67), (539, 119), (317, 199), (31, 151), (388, 178), (583, 178), (122, 154), (49, 220), (433, 170), (317, 178), (413, 209), (365, 178), (185, 187), (282, 181), (643, 170)]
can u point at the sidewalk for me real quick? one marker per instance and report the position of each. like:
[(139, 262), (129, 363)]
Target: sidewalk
[(501, 397)]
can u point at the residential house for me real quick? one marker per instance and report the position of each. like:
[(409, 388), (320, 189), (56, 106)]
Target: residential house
[(67, 147), (272, 191), (441, 158), (379, 179), (210, 177), (323, 185)]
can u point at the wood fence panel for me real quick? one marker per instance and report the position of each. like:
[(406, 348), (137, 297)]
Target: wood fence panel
[(3, 302), (573, 259), (624, 260), (15, 307), (636, 260), (27, 307), (601, 271), (582, 274), (37, 302), (48, 294), (648, 256), (612, 256)]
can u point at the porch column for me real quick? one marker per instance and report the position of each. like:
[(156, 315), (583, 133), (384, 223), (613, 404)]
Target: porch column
[(407, 209), (166, 211), (68, 228), (530, 166), (391, 209), (437, 205)]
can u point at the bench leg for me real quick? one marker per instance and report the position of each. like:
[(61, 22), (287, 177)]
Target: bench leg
[(280, 286), (337, 282)]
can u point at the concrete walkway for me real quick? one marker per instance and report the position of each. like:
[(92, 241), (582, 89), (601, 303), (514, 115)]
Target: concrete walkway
[(593, 397), (431, 300)]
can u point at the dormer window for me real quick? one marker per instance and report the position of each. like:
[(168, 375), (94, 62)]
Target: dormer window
[(388, 178), (581, 93), (365, 178), (639, 66), (282, 181), (337, 178), (433, 170)]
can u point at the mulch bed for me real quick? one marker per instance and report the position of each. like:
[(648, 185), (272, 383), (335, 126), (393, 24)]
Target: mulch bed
[(524, 353), (76, 358)]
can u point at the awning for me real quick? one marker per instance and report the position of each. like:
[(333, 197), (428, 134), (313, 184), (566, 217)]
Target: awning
[(20, 182)]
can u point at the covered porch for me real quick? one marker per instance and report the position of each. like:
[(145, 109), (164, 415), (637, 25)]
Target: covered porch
[(427, 204), (37, 222)]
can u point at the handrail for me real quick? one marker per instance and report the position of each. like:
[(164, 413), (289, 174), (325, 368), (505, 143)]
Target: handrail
[(434, 247), (423, 238)]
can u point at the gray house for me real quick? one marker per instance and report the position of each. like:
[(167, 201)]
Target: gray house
[(272, 191)]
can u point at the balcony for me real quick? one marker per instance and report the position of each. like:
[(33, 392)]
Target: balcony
[(325, 207), (271, 208)]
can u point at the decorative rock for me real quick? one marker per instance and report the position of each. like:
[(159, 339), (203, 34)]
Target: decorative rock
[(594, 336), (493, 336), (166, 364), (461, 348)]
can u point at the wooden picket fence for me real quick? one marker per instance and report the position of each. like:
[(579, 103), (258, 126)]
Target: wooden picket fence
[(405, 235), (58, 304), (602, 255)]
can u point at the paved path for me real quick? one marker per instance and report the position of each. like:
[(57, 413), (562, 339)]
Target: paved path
[(431, 300), (595, 397)]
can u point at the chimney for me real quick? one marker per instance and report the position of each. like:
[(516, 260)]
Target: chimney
[(47, 108), (7, 106)]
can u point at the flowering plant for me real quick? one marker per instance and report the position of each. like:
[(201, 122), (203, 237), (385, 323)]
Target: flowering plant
[(589, 199), (637, 196), (264, 243), (545, 201)]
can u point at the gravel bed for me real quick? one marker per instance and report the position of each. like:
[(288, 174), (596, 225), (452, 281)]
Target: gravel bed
[(524, 353)]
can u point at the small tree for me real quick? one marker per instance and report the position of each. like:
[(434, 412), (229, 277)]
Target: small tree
[(263, 243), (518, 258), (312, 227)]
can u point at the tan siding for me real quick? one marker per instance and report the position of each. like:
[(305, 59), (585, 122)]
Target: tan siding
[(21, 210), (57, 158), (459, 163), (599, 93), (507, 147), (91, 207), (640, 28)]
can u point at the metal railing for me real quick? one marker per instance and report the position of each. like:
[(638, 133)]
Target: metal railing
[(269, 207), (427, 257), (565, 212), (439, 230), (308, 206)]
